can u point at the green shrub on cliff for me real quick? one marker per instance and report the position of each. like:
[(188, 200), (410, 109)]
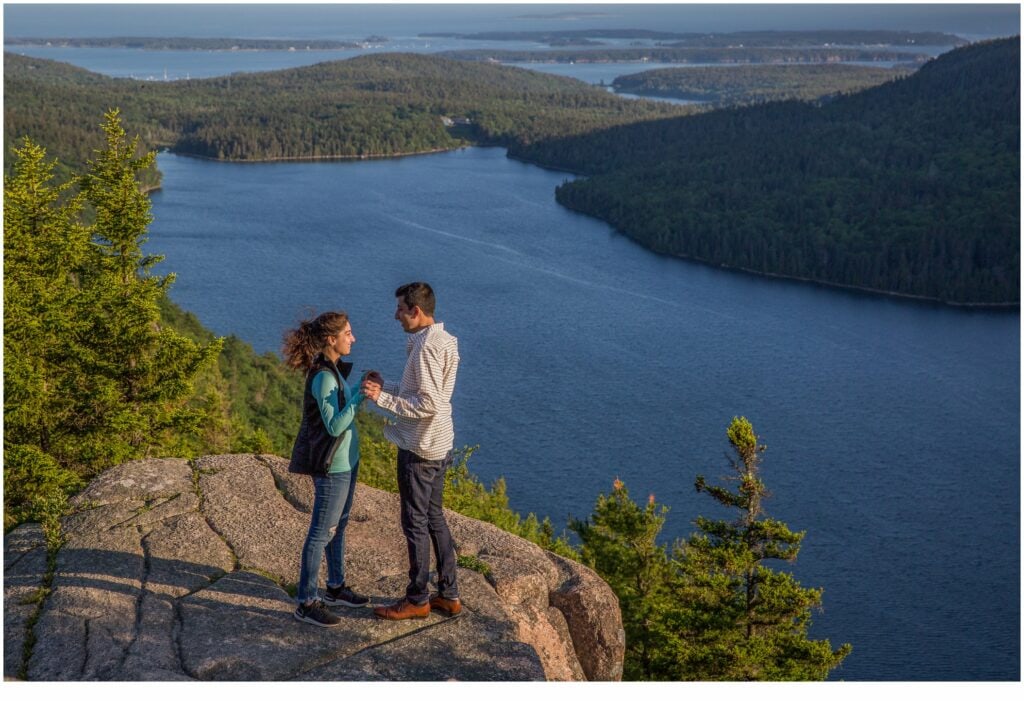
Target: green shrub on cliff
[(620, 544)]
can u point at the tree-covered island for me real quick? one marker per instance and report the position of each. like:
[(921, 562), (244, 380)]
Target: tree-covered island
[(687, 55), (191, 43), (743, 85), (822, 37), (369, 106)]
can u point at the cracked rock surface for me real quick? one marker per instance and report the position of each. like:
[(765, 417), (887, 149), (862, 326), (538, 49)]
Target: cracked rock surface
[(174, 570)]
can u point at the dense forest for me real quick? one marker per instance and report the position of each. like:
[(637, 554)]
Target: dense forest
[(666, 54), (378, 105), (184, 43), (743, 85), (912, 187)]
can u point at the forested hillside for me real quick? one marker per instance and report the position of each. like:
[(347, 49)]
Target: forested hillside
[(912, 187), (380, 105)]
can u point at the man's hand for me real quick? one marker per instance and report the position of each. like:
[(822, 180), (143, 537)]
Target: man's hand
[(372, 385), (371, 390)]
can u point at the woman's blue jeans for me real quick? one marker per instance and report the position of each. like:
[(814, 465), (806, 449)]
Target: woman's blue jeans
[(331, 505)]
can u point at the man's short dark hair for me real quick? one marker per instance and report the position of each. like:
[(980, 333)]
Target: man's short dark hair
[(417, 294)]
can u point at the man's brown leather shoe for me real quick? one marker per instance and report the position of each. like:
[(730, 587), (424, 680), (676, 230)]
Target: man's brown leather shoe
[(402, 610), (451, 607)]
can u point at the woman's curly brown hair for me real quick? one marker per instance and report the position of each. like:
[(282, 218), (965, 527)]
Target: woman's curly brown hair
[(303, 344)]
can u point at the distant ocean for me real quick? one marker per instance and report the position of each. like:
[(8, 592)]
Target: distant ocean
[(348, 22)]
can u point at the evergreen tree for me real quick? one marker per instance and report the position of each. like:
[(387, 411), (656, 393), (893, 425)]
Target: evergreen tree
[(620, 543), (92, 377), (712, 610), (741, 619), (137, 372), (44, 252)]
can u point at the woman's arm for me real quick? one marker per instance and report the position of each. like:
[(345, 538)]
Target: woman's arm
[(329, 397)]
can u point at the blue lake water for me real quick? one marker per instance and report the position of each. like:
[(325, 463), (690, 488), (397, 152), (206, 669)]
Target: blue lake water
[(893, 428)]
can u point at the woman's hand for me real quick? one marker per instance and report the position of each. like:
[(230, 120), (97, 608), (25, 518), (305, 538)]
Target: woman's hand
[(372, 385)]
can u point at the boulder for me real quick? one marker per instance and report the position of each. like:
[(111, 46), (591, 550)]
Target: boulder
[(177, 570), (585, 600)]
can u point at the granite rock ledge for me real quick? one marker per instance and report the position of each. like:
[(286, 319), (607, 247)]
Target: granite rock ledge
[(177, 570)]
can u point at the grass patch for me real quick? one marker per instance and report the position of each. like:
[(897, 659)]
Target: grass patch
[(54, 538), (472, 562), (290, 587)]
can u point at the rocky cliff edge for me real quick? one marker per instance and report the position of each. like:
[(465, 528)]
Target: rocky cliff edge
[(176, 570)]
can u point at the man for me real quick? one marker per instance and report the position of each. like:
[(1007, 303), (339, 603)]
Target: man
[(424, 434)]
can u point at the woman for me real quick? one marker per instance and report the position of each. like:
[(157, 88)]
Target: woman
[(327, 448)]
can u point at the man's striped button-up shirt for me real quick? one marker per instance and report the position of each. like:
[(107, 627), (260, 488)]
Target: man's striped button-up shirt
[(422, 401)]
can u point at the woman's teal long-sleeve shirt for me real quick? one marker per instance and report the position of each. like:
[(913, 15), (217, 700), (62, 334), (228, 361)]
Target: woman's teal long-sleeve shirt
[(338, 411)]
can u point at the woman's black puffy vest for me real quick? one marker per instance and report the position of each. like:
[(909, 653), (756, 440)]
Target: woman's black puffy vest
[(314, 447)]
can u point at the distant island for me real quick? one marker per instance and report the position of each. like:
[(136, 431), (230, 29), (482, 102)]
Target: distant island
[(745, 85), (686, 55), (561, 35), (191, 43), (814, 38), (823, 37)]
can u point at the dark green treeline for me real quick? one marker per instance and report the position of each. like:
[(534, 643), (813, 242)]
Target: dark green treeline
[(912, 187)]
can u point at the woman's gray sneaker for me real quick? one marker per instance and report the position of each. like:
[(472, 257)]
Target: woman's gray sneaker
[(343, 596), (317, 614)]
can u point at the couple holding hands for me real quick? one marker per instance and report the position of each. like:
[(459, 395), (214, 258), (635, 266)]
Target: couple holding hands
[(327, 448)]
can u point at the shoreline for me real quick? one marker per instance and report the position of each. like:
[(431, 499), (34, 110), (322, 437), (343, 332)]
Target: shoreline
[(869, 291), (967, 306), (280, 159), (980, 306)]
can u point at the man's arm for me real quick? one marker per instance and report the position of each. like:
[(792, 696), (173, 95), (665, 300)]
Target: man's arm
[(429, 367)]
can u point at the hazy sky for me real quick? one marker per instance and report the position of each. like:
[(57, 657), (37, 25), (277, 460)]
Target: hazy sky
[(356, 21)]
